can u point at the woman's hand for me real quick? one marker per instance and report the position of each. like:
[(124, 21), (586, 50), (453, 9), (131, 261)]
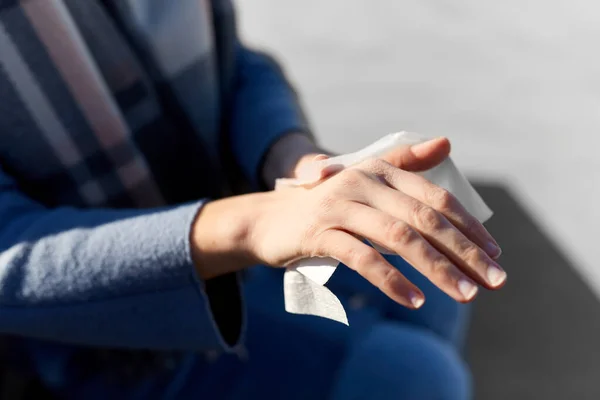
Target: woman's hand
[(376, 200), (396, 209)]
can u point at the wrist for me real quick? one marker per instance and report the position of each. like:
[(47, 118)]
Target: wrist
[(220, 235)]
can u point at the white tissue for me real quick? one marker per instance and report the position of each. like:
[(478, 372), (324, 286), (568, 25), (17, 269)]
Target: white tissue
[(303, 282)]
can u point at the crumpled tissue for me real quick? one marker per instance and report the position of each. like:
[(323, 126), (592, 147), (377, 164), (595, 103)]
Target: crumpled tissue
[(303, 283)]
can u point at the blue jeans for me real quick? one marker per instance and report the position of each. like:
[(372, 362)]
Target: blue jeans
[(388, 352)]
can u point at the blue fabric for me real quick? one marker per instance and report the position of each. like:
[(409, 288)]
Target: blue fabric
[(264, 106), (396, 361), (100, 277), (116, 276), (77, 275), (384, 353)]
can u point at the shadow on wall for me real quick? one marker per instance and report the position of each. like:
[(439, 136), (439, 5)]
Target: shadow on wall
[(539, 337)]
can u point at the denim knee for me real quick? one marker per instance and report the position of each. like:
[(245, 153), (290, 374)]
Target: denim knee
[(440, 313), (401, 362)]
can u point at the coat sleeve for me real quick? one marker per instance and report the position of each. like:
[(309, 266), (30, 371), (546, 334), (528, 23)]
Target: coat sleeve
[(103, 277), (265, 107)]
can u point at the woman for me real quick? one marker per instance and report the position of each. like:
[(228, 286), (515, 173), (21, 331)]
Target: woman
[(127, 126)]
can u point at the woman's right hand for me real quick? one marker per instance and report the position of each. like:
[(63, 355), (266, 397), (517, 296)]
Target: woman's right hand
[(396, 209)]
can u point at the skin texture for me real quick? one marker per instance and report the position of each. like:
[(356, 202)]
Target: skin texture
[(380, 199)]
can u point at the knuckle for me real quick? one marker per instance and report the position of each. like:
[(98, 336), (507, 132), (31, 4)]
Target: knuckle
[(473, 228), (375, 165), (441, 199), (472, 255), (389, 279), (437, 262), (352, 177), (400, 233), (427, 217), (441, 269), (364, 257)]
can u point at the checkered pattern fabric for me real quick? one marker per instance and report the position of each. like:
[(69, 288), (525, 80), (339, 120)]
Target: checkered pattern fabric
[(113, 103)]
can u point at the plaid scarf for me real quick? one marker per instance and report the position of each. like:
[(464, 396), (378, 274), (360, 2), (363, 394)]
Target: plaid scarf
[(125, 103), (114, 113), (80, 98)]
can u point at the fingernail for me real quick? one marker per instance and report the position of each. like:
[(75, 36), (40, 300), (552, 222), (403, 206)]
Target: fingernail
[(416, 299), (493, 250), (467, 288), (496, 275)]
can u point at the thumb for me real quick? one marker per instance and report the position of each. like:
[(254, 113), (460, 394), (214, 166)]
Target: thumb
[(421, 156), (311, 170)]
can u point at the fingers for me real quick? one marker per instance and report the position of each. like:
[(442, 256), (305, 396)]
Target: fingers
[(371, 265), (445, 203), (427, 233), (439, 232), (403, 239), (440, 200), (444, 236), (420, 157)]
